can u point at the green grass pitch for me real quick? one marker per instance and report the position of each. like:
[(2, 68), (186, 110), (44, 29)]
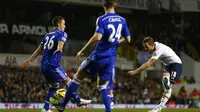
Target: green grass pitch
[(102, 110)]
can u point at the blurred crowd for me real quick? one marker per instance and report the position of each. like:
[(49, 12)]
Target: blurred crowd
[(177, 30), (186, 80), (19, 85), (28, 85)]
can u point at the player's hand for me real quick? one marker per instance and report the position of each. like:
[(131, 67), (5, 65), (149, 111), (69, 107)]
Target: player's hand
[(57, 51), (78, 56), (132, 72), (121, 40), (114, 82), (25, 64)]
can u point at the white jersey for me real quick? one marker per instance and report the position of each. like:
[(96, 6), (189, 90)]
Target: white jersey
[(165, 54)]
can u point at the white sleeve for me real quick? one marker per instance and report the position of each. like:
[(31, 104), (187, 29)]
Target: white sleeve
[(157, 54)]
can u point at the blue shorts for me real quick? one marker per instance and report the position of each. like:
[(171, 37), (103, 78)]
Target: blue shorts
[(53, 74), (175, 70), (101, 66), (111, 82)]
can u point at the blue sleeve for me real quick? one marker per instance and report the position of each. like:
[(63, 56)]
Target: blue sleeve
[(125, 30), (99, 27), (62, 37), (43, 40)]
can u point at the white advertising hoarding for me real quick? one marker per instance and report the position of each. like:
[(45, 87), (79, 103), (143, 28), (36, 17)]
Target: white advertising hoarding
[(40, 105)]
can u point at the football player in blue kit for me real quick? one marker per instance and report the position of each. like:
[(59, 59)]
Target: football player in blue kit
[(52, 47), (109, 29)]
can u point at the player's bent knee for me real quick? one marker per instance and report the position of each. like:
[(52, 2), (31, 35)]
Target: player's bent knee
[(166, 74), (67, 80), (165, 77), (54, 85), (171, 86), (111, 91), (166, 82), (75, 80)]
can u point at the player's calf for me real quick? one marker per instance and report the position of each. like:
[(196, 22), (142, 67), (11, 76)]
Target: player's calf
[(72, 88), (105, 97), (165, 97), (51, 91)]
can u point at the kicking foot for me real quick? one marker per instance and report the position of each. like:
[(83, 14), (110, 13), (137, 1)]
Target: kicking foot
[(157, 109), (84, 102)]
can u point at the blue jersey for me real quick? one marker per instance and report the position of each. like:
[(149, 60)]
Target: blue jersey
[(112, 27), (50, 42)]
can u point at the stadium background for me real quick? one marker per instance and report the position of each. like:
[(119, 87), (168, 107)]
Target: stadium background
[(172, 22)]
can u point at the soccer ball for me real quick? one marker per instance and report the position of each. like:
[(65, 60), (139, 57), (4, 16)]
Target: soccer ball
[(60, 94)]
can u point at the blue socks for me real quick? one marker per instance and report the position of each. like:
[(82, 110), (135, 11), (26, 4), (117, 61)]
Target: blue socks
[(76, 97), (50, 93), (106, 99), (71, 92)]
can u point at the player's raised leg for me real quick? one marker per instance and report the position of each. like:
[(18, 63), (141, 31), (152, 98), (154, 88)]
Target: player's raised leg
[(168, 89), (72, 88), (74, 95), (167, 93), (170, 76)]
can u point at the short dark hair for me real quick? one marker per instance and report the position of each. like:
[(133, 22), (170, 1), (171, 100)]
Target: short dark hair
[(148, 40), (56, 20), (109, 3)]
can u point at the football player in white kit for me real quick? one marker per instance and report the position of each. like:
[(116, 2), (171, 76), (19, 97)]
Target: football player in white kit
[(172, 69)]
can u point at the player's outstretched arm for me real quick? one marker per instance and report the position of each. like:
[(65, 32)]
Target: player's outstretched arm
[(33, 56), (143, 67), (36, 53), (93, 40)]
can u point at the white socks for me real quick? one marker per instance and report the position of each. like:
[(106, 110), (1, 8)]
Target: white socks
[(165, 97)]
